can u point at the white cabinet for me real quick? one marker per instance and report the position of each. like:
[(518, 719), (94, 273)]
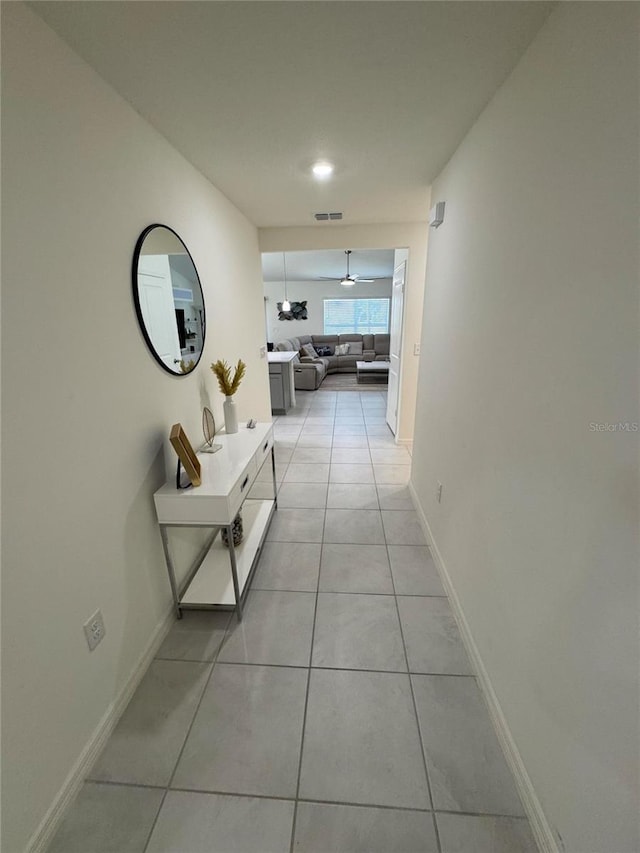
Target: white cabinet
[(279, 385), (281, 381), (221, 575)]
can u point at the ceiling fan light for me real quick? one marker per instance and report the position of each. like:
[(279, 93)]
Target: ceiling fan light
[(347, 282)]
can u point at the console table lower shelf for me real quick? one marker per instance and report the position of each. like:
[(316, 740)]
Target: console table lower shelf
[(220, 577), (213, 582)]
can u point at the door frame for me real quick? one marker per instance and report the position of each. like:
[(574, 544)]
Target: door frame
[(399, 271)]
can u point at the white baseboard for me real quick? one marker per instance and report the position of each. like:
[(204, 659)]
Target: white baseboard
[(43, 835), (542, 831)]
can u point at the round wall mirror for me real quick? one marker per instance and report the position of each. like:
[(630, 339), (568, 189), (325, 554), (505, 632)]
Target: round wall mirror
[(168, 299)]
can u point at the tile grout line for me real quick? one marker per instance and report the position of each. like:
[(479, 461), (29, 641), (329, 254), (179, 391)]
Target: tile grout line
[(306, 698), (415, 712), (256, 796), (404, 649), (333, 591), (336, 668), (365, 805), (186, 738)]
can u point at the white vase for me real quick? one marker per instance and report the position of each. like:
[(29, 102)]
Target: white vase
[(230, 416)]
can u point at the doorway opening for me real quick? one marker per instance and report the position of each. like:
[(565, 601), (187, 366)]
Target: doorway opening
[(358, 294)]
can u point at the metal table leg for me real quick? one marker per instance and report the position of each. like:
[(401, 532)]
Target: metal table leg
[(275, 482), (170, 569), (234, 572)]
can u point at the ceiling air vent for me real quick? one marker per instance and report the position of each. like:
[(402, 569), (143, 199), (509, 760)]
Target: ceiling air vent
[(323, 217)]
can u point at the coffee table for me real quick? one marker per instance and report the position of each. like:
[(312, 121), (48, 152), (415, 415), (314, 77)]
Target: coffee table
[(372, 368)]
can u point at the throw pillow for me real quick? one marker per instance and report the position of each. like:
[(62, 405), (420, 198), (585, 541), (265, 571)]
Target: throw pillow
[(355, 348), (308, 350), (342, 349), (324, 350)]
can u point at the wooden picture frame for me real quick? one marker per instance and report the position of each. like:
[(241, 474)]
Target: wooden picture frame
[(186, 455)]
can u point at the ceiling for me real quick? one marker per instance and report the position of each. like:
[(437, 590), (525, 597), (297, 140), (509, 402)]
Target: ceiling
[(252, 93), (308, 266)]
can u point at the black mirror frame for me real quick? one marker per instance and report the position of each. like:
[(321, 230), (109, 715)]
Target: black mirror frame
[(136, 299)]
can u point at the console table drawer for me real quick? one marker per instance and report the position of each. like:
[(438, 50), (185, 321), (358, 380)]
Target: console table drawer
[(174, 509), (242, 487), (263, 451)]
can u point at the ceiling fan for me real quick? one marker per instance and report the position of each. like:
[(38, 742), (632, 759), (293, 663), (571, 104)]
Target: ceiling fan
[(349, 280)]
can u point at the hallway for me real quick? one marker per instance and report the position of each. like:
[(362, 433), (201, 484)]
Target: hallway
[(342, 713)]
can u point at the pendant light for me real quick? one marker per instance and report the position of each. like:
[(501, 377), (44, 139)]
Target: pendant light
[(286, 305)]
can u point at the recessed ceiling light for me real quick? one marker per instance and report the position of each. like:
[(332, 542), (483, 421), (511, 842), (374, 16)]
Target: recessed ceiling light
[(322, 169)]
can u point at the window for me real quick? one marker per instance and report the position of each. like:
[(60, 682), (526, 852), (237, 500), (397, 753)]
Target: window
[(361, 316)]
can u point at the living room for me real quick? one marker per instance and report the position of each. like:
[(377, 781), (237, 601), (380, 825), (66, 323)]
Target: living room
[(315, 276), (312, 252), (337, 317)]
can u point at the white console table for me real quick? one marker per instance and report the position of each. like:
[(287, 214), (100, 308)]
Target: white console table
[(220, 576)]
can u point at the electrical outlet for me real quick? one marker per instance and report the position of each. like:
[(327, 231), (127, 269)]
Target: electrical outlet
[(94, 630), (263, 352), (416, 349), (439, 492)]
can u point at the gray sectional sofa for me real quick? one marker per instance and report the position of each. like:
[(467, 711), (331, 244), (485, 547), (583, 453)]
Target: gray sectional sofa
[(309, 372)]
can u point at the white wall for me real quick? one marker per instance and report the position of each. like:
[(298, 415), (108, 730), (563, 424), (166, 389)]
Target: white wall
[(86, 409), (411, 235), (529, 337), (314, 292)]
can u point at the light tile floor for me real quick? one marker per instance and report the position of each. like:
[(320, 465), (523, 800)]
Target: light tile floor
[(341, 714)]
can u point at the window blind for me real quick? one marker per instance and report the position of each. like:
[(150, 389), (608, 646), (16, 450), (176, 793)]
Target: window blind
[(360, 316)]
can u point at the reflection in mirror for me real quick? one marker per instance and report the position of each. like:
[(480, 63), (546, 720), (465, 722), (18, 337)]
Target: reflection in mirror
[(168, 299)]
